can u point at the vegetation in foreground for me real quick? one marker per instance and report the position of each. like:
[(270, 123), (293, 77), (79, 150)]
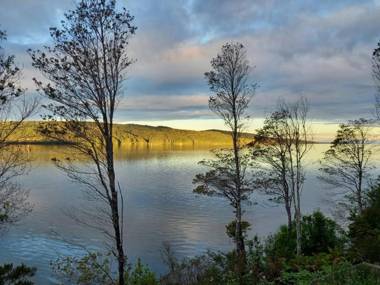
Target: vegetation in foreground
[(85, 67), (330, 255)]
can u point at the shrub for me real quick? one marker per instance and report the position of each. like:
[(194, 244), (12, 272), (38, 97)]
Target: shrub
[(20, 275), (96, 268), (231, 229), (364, 231), (320, 234), (275, 261)]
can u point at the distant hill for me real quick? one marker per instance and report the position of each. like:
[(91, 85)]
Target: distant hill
[(134, 134)]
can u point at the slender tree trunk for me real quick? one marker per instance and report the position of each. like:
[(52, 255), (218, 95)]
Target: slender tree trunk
[(298, 202), (287, 197), (298, 223), (359, 193), (294, 172), (240, 246), (115, 211), (289, 213), (118, 238), (297, 180)]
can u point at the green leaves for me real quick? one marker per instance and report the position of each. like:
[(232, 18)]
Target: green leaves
[(347, 163), (96, 268), (16, 275)]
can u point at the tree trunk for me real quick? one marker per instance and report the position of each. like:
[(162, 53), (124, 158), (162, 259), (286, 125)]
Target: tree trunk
[(289, 214), (115, 211), (359, 191), (240, 246), (118, 238), (298, 223)]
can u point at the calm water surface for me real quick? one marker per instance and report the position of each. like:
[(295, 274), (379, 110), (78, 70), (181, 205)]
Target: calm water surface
[(160, 207)]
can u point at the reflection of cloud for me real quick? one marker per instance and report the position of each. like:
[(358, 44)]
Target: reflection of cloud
[(318, 49)]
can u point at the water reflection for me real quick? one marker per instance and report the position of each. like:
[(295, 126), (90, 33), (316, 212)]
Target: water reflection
[(160, 207)]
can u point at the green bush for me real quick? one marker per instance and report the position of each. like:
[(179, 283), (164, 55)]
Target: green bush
[(364, 231), (19, 275), (334, 274), (320, 234), (231, 229), (273, 262), (96, 268), (324, 260), (140, 274)]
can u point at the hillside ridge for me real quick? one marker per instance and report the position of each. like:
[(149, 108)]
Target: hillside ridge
[(130, 134)]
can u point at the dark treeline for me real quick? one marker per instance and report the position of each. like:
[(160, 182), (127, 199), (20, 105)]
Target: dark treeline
[(84, 70)]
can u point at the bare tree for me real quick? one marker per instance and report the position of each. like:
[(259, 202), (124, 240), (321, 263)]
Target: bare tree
[(14, 109), (299, 139), (285, 140), (271, 150), (228, 79), (346, 164), (86, 67)]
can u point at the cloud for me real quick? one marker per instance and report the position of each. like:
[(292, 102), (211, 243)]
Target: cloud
[(28, 21), (318, 49)]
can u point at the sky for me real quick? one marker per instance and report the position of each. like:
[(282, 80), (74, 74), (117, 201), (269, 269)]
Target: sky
[(317, 49)]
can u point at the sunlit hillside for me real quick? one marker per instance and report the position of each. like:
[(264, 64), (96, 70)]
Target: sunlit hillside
[(133, 134)]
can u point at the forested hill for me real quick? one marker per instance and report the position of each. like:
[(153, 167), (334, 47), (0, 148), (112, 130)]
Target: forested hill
[(128, 134)]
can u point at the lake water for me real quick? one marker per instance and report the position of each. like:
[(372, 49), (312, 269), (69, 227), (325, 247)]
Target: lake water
[(160, 207)]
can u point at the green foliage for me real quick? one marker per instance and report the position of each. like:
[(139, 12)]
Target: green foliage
[(140, 274), (231, 229), (19, 275), (96, 268), (364, 231), (319, 234), (282, 244), (93, 268), (342, 273), (304, 269), (347, 164), (275, 262)]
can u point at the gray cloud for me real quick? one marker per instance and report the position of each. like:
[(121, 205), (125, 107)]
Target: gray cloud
[(29, 21), (318, 49)]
